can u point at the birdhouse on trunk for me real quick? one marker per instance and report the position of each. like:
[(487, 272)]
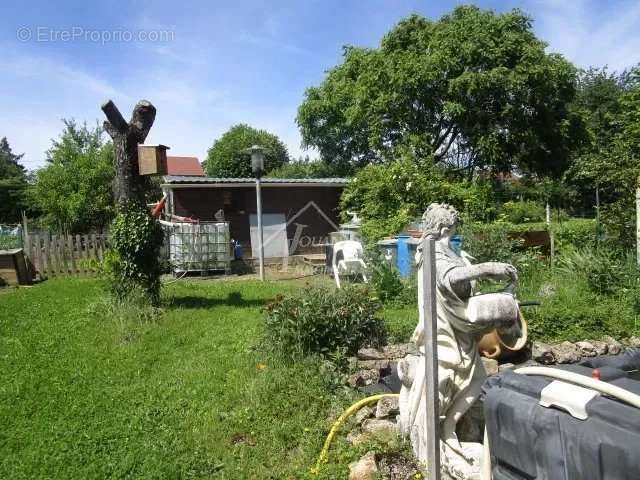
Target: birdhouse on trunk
[(152, 159)]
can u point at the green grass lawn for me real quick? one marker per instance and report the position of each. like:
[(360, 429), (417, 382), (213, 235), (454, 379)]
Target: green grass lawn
[(89, 393)]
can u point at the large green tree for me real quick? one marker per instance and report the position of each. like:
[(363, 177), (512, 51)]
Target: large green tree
[(610, 162), (228, 156), (73, 190), (304, 167), (13, 184), (599, 100), (474, 89)]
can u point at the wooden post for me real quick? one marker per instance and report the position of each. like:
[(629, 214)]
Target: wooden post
[(552, 246), (101, 247), (62, 258), (45, 255), (72, 255), (430, 316), (37, 257), (54, 255), (85, 254), (26, 241), (598, 227)]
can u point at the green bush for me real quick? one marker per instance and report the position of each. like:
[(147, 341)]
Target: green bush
[(390, 288), (619, 221), (576, 233), (490, 242), (523, 211), (386, 282), (322, 320)]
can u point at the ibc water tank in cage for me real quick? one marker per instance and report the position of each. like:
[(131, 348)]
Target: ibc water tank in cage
[(199, 247)]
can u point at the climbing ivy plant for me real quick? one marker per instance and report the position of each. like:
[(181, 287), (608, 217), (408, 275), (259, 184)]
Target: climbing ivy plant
[(133, 266)]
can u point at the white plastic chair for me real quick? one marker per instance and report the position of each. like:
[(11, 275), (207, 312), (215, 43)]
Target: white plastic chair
[(351, 262)]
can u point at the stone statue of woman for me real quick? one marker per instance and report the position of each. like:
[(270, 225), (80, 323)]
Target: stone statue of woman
[(460, 325)]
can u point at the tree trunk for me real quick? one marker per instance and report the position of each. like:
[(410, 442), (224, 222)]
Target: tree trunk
[(128, 185)]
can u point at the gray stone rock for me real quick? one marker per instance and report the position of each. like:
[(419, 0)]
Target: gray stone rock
[(542, 353), (614, 346), (387, 407), (376, 426), (506, 366), (398, 350), (363, 378), (634, 342), (587, 349), (566, 352), (365, 468), (371, 354), (490, 365), (601, 347), (373, 364), (362, 414), (394, 466)]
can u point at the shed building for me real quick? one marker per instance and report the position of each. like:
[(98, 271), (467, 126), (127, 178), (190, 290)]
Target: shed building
[(298, 212)]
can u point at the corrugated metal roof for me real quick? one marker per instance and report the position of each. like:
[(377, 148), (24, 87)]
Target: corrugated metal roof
[(180, 179)]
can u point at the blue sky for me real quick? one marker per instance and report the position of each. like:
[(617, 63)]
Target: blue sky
[(209, 65)]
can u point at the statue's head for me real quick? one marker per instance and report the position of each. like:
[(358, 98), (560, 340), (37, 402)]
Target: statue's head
[(440, 220)]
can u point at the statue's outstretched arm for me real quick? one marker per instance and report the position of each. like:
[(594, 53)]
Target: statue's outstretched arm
[(489, 270)]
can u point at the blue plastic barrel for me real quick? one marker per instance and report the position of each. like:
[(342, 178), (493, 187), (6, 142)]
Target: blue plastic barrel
[(403, 260), (237, 249)]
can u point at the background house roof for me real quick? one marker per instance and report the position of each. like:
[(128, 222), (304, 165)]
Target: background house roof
[(185, 166)]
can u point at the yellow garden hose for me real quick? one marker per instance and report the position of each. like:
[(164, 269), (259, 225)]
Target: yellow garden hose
[(324, 454)]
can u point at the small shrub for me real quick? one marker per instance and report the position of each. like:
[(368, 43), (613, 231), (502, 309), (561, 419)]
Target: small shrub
[(320, 320), (523, 211), (386, 282), (389, 287), (619, 221), (576, 233)]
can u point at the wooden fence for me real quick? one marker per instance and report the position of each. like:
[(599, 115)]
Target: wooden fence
[(65, 255)]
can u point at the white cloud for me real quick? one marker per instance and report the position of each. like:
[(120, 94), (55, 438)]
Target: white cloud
[(590, 33), (36, 67)]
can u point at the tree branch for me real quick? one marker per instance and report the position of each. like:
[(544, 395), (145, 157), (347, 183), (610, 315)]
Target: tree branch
[(115, 117), (441, 138), (142, 119), (452, 138)]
